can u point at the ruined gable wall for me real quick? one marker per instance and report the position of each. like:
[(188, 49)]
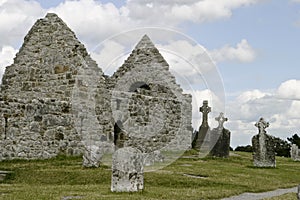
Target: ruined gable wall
[(40, 109), (155, 118), (54, 99)]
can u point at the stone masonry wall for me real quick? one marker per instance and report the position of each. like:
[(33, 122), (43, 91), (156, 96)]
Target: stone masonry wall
[(149, 104), (55, 99), (38, 128), (43, 92)]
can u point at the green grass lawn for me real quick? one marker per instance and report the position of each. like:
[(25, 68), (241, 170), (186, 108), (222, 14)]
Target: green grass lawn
[(64, 176), (289, 196)]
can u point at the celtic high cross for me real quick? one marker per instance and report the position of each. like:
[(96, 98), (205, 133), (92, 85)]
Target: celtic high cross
[(205, 109)]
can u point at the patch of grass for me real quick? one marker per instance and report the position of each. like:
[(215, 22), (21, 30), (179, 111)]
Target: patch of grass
[(64, 176), (191, 152)]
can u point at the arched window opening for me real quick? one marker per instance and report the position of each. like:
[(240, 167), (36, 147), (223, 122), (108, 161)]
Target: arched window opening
[(140, 84)]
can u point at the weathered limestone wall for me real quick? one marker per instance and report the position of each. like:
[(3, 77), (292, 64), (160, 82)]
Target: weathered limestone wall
[(148, 104), (47, 64), (38, 115), (55, 99), (92, 116), (38, 128)]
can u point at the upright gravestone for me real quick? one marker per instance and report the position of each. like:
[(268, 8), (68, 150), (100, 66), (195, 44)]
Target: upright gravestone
[(127, 170), (295, 153), (201, 140), (92, 156), (220, 139), (263, 146)]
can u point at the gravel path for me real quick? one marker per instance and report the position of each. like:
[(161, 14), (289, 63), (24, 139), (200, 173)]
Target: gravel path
[(259, 196)]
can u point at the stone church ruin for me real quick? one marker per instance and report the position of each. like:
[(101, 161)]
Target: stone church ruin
[(55, 100)]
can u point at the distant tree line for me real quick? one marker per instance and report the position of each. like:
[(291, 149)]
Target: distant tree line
[(282, 147), (295, 139), (247, 148)]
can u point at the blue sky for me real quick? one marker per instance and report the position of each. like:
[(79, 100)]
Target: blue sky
[(254, 43), (270, 29)]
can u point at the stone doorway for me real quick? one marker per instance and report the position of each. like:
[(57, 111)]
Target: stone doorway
[(119, 135)]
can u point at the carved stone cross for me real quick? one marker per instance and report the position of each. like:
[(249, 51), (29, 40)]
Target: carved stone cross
[(221, 119), (262, 125), (205, 109)]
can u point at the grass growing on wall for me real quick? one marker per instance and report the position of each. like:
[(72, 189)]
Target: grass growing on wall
[(187, 178)]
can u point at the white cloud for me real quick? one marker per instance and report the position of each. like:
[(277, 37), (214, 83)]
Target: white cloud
[(251, 105), (191, 61), (6, 58), (93, 21), (280, 108), (293, 111), (174, 12), (110, 57), (250, 96), (243, 52), (17, 16), (289, 89)]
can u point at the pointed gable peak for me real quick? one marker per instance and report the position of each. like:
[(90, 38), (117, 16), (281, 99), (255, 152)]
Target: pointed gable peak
[(145, 42), (144, 56), (51, 27), (50, 16), (49, 34), (146, 37), (50, 19)]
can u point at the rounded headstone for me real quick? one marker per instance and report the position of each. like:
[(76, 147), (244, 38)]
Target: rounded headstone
[(127, 170)]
